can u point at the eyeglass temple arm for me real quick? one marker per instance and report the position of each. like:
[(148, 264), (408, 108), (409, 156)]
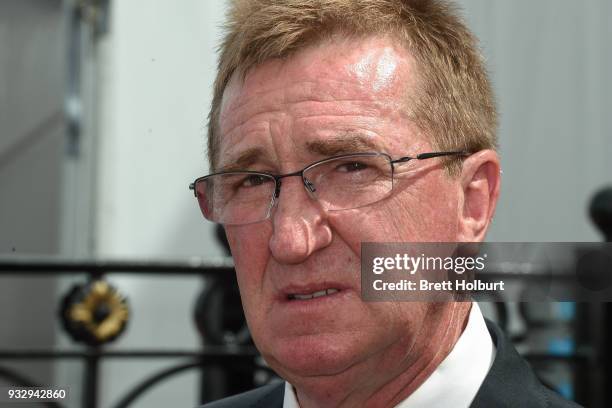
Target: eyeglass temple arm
[(424, 156)]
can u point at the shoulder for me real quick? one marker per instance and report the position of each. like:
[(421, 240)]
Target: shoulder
[(270, 395), (512, 383)]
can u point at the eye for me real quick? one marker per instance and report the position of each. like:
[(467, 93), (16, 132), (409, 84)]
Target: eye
[(253, 180), (352, 167)]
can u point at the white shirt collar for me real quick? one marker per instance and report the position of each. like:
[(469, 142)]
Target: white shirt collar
[(450, 385)]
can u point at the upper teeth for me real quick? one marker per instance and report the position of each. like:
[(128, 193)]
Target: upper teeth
[(313, 295)]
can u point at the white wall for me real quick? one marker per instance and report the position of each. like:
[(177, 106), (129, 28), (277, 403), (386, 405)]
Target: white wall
[(550, 61), (155, 69)]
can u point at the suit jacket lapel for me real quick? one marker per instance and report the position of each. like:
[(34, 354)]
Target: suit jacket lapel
[(272, 399), (510, 381)]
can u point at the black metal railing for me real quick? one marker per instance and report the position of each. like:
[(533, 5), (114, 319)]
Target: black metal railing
[(241, 357)]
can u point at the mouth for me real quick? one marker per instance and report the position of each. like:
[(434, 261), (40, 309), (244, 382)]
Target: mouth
[(312, 295)]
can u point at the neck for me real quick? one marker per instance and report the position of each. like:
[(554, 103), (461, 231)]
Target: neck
[(389, 377)]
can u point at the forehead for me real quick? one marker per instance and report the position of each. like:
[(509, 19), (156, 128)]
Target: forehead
[(329, 78)]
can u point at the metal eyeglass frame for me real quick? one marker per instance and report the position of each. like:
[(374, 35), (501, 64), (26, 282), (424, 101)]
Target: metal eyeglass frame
[(310, 187)]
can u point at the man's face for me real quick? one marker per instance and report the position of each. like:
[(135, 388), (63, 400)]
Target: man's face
[(344, 96)]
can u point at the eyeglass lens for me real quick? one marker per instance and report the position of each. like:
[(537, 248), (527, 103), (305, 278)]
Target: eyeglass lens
[(338, 184)]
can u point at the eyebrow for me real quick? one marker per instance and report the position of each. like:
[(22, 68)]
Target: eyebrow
[(245, 159), (349, 143), (346, 144)]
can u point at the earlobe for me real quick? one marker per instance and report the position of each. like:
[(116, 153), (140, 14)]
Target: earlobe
[(480, 183)]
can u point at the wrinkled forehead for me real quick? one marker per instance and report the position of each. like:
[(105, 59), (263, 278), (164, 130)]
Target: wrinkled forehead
[(374, 69)]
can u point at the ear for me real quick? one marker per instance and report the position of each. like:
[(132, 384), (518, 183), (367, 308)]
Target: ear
[(480, 181)]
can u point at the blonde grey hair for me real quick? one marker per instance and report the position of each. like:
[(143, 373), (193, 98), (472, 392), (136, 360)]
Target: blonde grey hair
[(453, 103)]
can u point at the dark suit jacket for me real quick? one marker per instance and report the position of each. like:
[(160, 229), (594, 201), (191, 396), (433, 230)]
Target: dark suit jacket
[(510, 383)]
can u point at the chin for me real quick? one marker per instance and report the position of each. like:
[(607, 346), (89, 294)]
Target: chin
[(312, 355)]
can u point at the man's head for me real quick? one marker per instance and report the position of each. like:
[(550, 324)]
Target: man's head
[(303, 80), (452, 101)]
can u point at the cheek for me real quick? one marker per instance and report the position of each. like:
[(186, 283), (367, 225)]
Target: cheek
[(426, 214), (246, 242), (425, 220), (427, 211), (250, 256), (250, 260)]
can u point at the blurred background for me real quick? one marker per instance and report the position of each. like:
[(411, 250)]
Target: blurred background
[(103, 108)]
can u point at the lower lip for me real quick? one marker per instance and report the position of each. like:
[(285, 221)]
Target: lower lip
[(321, 301)]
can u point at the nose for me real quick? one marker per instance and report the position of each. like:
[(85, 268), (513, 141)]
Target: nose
[(300, 224)]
